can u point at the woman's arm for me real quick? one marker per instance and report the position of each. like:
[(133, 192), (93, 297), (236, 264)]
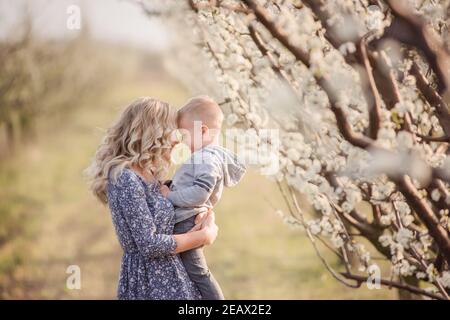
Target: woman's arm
[(188, 241), (195, 239)]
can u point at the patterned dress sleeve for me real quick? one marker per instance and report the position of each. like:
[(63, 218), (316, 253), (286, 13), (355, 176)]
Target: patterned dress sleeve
[(133, 205)]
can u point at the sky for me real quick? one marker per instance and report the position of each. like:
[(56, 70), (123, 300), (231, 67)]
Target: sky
[(119, 21)]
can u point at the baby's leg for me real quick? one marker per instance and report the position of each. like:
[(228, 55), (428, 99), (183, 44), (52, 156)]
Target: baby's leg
[(195, 264)]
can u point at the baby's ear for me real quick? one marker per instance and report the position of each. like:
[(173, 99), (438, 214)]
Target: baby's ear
[(205, 128)]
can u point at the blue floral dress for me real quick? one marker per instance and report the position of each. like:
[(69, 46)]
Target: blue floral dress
[(144, 222)]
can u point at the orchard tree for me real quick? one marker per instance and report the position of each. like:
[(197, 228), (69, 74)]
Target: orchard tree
[(359, 92), (40, 79)]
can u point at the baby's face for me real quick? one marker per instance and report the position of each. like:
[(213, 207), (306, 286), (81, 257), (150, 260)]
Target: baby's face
[(192, 133)]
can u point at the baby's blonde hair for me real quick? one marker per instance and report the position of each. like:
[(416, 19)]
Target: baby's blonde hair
[(140, 137), (204, 109)]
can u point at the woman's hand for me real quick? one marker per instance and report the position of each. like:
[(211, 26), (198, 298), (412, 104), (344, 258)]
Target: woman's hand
[(197, 238), (209, 228), (199, 220)]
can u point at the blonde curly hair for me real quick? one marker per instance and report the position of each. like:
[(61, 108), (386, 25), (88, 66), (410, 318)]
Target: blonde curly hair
[(141, 137)]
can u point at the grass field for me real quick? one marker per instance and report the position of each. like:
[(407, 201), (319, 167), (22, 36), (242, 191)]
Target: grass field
[(255, 257)]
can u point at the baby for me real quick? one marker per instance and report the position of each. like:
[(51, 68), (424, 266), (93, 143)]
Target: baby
[(197, 186)]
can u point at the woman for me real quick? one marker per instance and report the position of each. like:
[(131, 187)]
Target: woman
[(133, 157)]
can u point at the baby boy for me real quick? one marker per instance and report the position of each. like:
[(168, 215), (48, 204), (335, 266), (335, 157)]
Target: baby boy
[(197, 186)]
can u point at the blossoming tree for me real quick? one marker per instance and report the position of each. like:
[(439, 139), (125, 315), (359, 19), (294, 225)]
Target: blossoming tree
[(359, 92)]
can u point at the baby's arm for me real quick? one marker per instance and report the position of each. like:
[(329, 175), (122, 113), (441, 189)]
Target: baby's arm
[(205, 179)]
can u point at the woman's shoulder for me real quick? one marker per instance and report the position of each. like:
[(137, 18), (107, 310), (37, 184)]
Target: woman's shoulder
[(125, 178)]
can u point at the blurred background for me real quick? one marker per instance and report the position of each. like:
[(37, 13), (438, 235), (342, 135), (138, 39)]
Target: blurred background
[(60, 87)]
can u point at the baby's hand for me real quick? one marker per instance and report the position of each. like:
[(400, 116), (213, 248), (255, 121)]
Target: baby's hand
[(164, 190)]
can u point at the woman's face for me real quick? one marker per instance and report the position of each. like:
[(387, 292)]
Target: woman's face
[(173, 143), (174, 140)]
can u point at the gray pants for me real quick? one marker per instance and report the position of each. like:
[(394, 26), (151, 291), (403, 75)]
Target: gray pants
[(195, 264)]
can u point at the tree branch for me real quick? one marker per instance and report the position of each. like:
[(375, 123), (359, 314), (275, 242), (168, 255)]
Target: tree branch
[(394, 284), (434, 139), (344, 126), (426, 214), (263, 16), (196, 7), (433, 98), (375, 109), (411, 28)]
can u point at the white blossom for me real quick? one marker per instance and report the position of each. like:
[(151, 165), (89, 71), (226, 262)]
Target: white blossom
[(404, 237), (232, 119), (348, 47), (336, 240), (435, 195), (385, 240), (445, 279), (314, 227)]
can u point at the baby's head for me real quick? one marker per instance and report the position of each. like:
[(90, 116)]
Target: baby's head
[(200, 121)]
